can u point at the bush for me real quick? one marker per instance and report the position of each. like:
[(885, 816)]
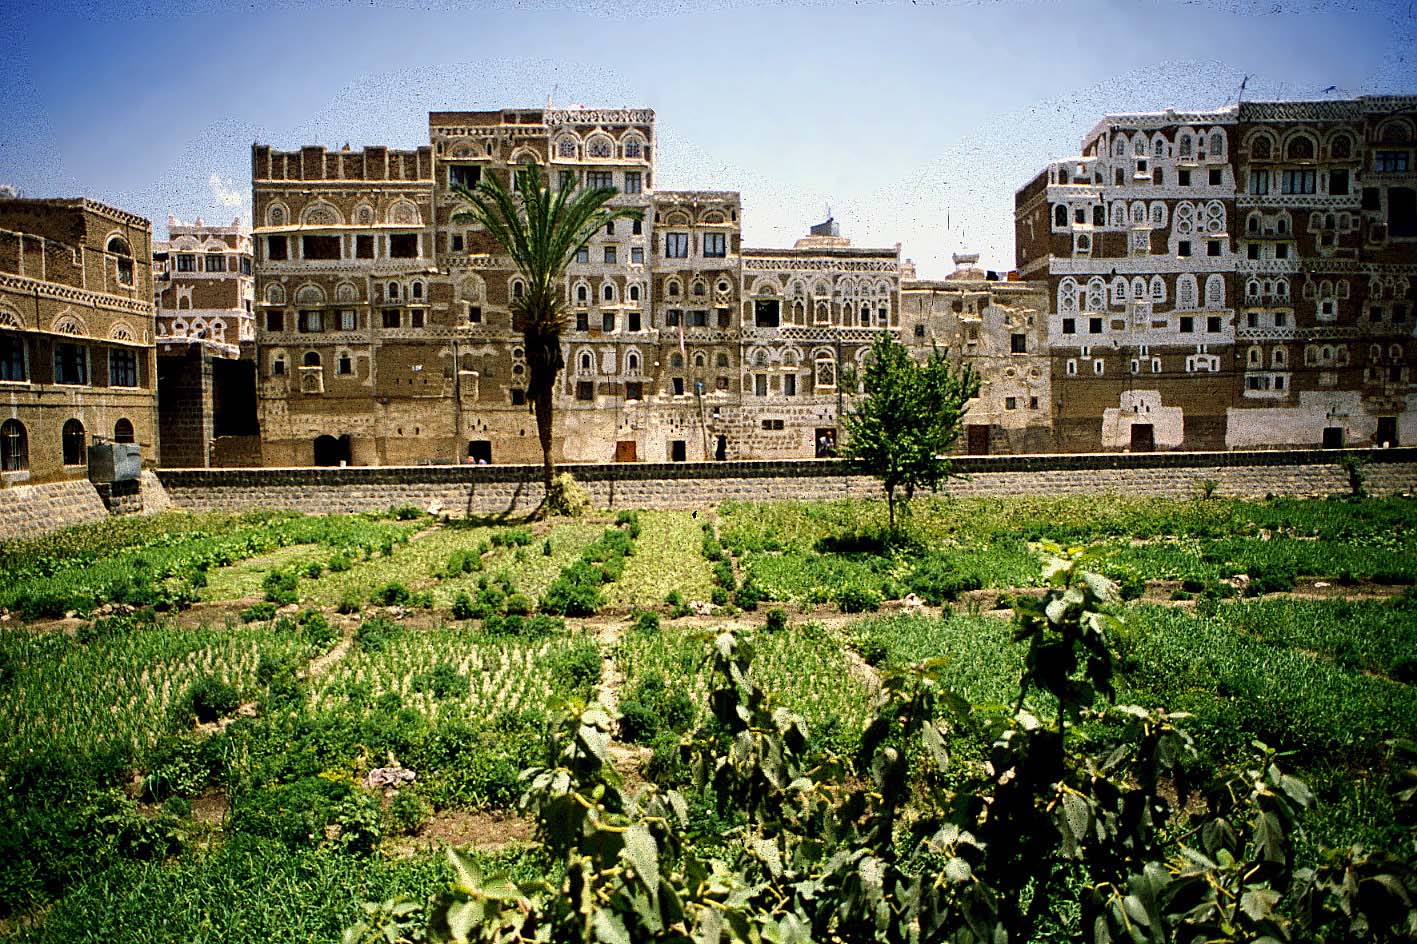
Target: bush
[(718, 597), (570, 597), (347, 605), (391, 594), (339, 563), (374, 635), (546, 548), (873, 651), (1270, 577), (566, 497), (519, 604), (524, 627), (313, 570), (258, 612), (854, 598), (777, 620), (651, 709), (644, 622), (408, 812), (280, 587), (937, 581), (182, 764), (749, 595), (462, 561), (577, 668), (462, 606), (442, 681), (316, 630), (512, 537), (207, 699), (406, 512)]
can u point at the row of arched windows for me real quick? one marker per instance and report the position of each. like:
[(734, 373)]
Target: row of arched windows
[(1095, 294), (1189, 144), (600, 146), (402, 212), (14, 443)]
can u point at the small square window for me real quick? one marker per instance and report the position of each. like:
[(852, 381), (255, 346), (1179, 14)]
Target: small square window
[(582, 321), (275, 321), (1183, 177), (1018, 344), (583, 254), (1188, 324), (456, 242), (518, 396), (585, 390), (391, 317), (1212, 324), (715, 245), (364, 247), (1094, 326), (1070, 326), (1011, 403), (474, 314), (920, 331), (1183, 248), (1212, 247), (1281, 250), (637, 255), (1217, 176), (610, 255), (416, 318)]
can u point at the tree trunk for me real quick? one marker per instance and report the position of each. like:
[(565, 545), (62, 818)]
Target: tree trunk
[(890, 506), (544, 362)]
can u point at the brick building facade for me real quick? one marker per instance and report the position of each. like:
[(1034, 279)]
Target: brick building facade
[(1230, 279), (77, 357)]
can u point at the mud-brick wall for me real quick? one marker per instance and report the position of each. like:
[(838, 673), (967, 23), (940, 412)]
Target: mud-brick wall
[(458, 490)]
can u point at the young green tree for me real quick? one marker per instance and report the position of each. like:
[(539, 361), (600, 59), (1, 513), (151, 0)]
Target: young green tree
[(541, 230), (908, 418)]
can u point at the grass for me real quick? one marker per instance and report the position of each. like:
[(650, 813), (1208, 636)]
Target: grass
[(667, 557)]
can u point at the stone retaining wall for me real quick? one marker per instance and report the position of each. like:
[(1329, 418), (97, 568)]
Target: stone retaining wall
[(28, 510), (483, 490)]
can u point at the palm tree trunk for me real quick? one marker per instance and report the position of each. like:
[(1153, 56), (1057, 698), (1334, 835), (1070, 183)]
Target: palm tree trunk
[(544, 363)]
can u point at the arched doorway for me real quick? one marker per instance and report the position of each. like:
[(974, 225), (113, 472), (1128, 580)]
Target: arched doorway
[(331, 451)]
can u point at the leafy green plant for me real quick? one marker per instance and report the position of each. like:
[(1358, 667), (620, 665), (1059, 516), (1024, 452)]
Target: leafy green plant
[(259, 612), (391, 594), (854, 598), (207, 699)]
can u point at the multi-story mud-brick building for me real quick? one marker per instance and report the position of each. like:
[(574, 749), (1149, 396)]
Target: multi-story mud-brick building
[(384, 331), (1000, 329), (77, 358), (204, 285), (1193, 308)]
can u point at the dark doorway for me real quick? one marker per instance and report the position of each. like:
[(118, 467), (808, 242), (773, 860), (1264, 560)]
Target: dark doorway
[(625, 451), (826, 442), (332, 451), (720, 450), (677, 451), (977, 439), (1143, 437), (1333, 437), (1387, 431), (479, 452)]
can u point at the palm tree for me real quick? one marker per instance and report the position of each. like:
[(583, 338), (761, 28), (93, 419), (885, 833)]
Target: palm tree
[(542, 231)]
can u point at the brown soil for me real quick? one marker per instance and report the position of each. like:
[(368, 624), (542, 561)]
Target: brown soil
[(488, 831)]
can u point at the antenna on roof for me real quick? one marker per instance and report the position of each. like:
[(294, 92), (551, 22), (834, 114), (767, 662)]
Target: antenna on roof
[(1240, 95)]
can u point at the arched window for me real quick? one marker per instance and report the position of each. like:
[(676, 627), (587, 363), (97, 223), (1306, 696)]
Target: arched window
[(1279, 358), (1215, 291), (1067, 295), (825, 370), (1158, 148), (1121, 149), (1341, 147), (700, 360), (1119, 291), (1060, 216), (122, 259), (582, 293), (123, 431), (14, 447), (634, 293), (632, 363), (1299, 148), (587, 361), (1138, 212), (1183, 148), (1119, 215), (1139, 292), (74, 443), (391, 291), (1217, 143), (676, 360), (1096, 298), (278, 366), (1255, 357), (720, 359), (311, 359), (607, 292), (1186, 291), (518, 288), (671, 288), (1261, 148)]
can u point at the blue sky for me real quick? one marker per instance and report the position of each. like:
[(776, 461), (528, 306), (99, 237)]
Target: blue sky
[(915, 121)]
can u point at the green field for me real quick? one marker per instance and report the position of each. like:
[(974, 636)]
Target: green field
[(191, 706)]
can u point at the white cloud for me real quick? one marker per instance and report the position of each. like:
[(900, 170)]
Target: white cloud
[(224, 192)]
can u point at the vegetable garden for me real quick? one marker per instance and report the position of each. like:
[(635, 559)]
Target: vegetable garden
[(224, 727)]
